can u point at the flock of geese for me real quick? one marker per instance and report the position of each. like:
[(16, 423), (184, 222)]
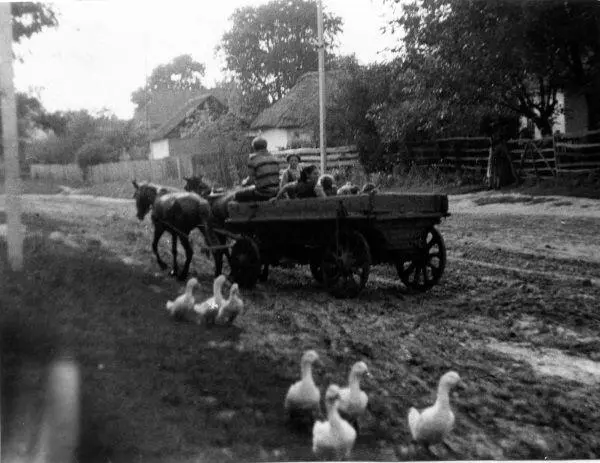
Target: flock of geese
[(215, 309), (334, 437)]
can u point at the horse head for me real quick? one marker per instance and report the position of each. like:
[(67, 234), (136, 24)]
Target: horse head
[(197, 185), (144, 195)]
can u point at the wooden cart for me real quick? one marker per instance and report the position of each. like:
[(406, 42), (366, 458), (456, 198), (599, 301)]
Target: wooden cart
[(340, 237)]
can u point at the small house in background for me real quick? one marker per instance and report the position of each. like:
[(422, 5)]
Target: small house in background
[(185, 123), (293, 121), (571, 117)]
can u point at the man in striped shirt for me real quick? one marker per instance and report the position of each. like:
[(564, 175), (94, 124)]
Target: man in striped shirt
[(263, 168)]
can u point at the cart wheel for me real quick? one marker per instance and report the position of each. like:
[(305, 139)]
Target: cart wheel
[(345, 267), (245, 263), (425, 271)]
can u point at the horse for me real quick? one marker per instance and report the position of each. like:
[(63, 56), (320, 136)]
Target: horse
[(178, 212), (219, 211), (219, 208)]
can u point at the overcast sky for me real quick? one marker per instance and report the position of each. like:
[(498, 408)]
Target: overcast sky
[(101, 51)]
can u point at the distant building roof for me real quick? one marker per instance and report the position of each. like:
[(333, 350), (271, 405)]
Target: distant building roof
[(183, 112), (162, 104), (300, 106)]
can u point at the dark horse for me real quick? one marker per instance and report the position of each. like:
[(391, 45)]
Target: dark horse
[(219, 213), (178, 212)]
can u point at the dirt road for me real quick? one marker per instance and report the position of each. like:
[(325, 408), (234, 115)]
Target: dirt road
[(516, 315)]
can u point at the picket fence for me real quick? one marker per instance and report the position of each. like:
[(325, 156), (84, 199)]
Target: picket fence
[(225, 170)]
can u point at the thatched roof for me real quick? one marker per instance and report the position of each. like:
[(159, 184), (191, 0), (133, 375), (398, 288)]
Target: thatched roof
[(183, 112), (300, 106), (162, 105)]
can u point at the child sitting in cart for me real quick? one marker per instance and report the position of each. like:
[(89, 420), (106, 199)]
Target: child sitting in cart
[(306, 187)]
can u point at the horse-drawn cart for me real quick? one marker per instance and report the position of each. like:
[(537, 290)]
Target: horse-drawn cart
[(340, 237)]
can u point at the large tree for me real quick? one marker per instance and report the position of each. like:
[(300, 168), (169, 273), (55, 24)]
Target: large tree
[(271, 45), (504, 54), (182, 74)]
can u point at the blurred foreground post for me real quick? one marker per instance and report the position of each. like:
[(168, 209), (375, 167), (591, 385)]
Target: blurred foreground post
[(323, 140), (10, 141)]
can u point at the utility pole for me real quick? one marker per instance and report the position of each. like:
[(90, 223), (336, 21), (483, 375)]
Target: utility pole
[(10, 141), (321, 45)]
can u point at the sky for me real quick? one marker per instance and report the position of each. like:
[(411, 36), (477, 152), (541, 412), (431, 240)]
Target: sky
[(103, 50)]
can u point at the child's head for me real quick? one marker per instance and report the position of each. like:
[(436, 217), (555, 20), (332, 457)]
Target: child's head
[(328, 185), (309, 174), (293, 160)]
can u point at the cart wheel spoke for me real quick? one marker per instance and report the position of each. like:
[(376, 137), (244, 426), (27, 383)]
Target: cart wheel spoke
[(423, 271), (346, 264)]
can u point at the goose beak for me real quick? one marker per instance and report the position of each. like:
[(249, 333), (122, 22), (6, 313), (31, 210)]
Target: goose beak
[(461, 385)]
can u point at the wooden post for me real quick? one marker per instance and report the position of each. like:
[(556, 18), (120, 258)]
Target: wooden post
[(10, 141), (178, 168), (323, 139)]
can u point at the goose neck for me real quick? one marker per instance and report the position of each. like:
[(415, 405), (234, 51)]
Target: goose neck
[(306, 371), (443, 396), (354, 382), (218, 292), (333, 415)]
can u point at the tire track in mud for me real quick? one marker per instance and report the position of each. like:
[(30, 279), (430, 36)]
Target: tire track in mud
[(457, 256)]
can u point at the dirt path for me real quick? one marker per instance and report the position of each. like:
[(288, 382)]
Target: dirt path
[(516, 314)]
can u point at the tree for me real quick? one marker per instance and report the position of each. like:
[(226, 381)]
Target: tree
[(270, 46), (182, 74), (30, 18), (239, 103), (505, 55)]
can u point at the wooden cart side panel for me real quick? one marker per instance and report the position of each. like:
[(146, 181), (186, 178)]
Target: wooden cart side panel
[(390, 205)]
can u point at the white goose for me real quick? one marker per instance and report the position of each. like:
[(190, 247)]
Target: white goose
[(185, 302), (353, 400), (434, 423), (206, 311), (232, 307), (335, 437), (302, 402)]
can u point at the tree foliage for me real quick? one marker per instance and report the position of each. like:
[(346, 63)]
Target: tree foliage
[(503, 55), (179, 75), (270, 46), (29, 18)]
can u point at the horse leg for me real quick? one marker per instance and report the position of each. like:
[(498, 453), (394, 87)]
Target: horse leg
[(158, 231), (217, 254), (189, 252), (175, 270)]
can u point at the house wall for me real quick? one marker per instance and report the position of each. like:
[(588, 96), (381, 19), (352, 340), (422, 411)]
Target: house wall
[(571, 117), (575, 113), (159, 149), (278, 139)]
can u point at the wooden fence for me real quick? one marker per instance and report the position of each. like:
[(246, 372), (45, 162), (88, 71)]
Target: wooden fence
[(577, 152), (58, 172), (224, 170), (573, 153)]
